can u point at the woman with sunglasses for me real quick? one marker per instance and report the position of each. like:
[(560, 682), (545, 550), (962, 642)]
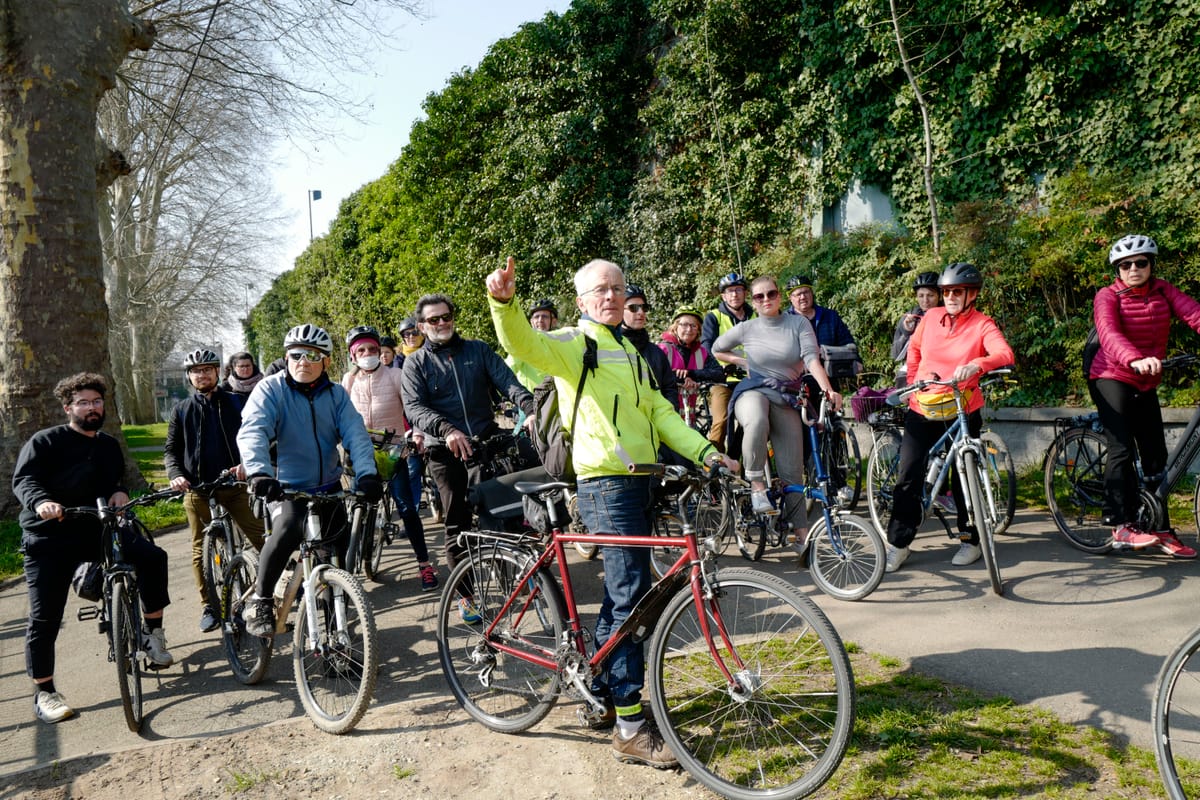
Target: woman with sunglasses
[(1133, 316), (957, 341), (778, 349)]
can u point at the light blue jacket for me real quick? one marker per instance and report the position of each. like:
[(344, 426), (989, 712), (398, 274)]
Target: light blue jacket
[(307, 426)]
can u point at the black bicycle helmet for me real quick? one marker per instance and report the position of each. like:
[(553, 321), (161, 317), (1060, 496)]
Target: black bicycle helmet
[(796, 281), (926, 280), (960, 273), (387, 341), (732, 279), (1133, 245), (545, 304), (201, 358), (633, 290), (309, 335), (408, 324), (362, 332)]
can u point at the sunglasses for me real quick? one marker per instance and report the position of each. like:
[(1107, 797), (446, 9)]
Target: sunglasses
[(761, 296), (1139, 263), (311, 356), (439, 319), (954, 291), (410, 334), (638, 308)]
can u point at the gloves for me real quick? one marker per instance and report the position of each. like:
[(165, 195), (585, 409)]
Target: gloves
[(371, 488), (266, 487)]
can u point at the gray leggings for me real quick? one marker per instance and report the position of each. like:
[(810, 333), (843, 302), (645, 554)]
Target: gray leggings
[(761, 420)]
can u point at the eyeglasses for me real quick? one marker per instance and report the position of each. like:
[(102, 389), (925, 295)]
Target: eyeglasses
[(739, 289), (682, 325), (954, 291), (638, 308), (1139, 263), (440, 318), (410, 334), (762, 296), (202, 368), (311, 356), (601, 291), (97, 403)]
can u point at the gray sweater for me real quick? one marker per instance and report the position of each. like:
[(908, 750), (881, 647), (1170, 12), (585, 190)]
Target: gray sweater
[(776, 347)]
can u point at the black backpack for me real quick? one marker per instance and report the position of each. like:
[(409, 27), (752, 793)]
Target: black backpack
[(1090, 347), (551, 440)]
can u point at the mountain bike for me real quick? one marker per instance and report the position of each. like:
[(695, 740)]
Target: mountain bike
[(1073, 474), (749, 683), (693, 407), (987, 502), (1175, 719), (119, 610), (335, 654)]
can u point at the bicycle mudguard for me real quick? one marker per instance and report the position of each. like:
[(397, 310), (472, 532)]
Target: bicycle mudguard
[(640, 624)]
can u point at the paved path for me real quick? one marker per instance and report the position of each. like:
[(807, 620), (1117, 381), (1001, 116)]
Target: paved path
[(1081, 635)]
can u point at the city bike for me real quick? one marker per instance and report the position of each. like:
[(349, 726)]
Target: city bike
[(335, 652), (748, 682), (1074, 476), (118, 613)]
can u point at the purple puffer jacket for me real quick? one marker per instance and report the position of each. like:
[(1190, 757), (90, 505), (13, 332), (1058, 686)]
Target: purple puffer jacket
[(1133, 323)]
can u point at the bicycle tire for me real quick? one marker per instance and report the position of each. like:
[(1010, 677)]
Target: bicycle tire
[(663, 558), (1176, 720), (433, 498), (587, 551), (213, 562), (336, 679), (788, 736), (749, 528), (1073, 479), (374, 527), (248, 655), (502, 691), (853, 570), (844, 457), (882, 468), (124, 633), (982, 515), (1003, 473), (714, 517)]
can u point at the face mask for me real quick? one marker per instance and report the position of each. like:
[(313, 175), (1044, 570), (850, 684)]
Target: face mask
[(367, 362)]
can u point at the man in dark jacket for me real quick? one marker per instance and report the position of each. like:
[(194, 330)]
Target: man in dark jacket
[(447, 388), (731, 311), (633, 326), (201, 444)]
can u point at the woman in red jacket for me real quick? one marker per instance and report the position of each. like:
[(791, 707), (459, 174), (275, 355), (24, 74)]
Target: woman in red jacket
[(1133, 316), (958, 341)]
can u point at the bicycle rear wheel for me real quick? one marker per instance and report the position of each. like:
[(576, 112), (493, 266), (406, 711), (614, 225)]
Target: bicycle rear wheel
[(1176, 720), (999, 462), (843, 461), (714, 516), (663, 558), (853, 568), (749, 528), (214, 560), (125, 633), (500, 689), (1074, 484), (982, 515), (374, 529), (248, 655), (336, 672), (785, 727), (588, 551), (882, 467)]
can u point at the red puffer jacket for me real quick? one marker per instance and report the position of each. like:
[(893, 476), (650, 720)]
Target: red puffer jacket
[(1133, 323)]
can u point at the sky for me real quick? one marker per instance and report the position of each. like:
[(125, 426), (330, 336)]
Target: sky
[(455, 34)]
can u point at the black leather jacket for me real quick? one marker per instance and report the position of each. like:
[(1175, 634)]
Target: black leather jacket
[(202, 437)]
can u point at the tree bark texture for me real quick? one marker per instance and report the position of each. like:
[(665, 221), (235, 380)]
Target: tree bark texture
[(57, 57)]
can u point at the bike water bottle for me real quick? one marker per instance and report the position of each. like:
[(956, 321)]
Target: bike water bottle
[(312, 526), (935, 468)]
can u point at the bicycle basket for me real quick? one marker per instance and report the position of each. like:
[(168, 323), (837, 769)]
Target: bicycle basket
[(866, 401), (940, 404), (88, 581), (386, 459)]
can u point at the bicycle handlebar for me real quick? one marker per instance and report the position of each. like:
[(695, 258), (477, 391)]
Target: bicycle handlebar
[(101, 509), (226, 478), (993, 376)]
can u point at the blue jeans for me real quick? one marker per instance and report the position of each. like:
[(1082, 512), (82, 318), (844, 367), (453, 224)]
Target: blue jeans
[(620, 505), (406, 507)]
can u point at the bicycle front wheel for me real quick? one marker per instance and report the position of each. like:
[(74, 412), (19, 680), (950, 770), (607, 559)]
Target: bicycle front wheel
[(374, 529), (1000, 467), (749, 528), (714, 516), (214, 560), (124, 633), (481, 651), (248, 655), (843, 462), (1074, 484), (336, 664), (784, 726), (848, 561), (882, 467), (1176, 720), (982, 515)]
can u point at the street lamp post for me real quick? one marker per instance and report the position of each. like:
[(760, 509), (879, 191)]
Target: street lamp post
[(313, 194)]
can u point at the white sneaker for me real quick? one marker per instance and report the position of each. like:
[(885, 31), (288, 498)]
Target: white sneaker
[(155, 643), (967, 554), (761, 504), (50, 707), (895, 557)]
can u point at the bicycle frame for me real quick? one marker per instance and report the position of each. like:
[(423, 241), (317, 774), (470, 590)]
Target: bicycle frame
[(819, 492)]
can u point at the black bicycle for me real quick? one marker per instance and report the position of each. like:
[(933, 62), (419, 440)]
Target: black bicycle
[(119, 610)]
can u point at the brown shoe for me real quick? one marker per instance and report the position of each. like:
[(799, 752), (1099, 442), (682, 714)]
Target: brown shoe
[(646, 747)]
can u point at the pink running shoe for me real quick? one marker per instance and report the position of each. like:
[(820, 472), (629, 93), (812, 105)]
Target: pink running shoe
[(1130, 537), (1169, 543)]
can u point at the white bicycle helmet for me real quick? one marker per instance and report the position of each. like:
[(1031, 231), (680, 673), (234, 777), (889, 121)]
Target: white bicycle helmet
[(1133, 245), (201, 358), (308, 335)]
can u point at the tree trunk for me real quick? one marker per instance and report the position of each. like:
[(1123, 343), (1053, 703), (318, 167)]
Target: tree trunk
[(56, 60)]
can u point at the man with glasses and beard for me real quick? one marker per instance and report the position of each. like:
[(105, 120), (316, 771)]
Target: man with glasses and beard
[(448, 388), (60, 467)]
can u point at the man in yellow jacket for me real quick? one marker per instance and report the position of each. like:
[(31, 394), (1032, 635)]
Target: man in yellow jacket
[(620, 421)]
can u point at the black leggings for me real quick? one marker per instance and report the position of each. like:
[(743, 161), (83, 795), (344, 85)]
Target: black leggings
[(287, 530), (1132, 425)]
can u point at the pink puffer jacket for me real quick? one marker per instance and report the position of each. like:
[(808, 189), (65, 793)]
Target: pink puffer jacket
[(376, 395), (1133, 323)]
